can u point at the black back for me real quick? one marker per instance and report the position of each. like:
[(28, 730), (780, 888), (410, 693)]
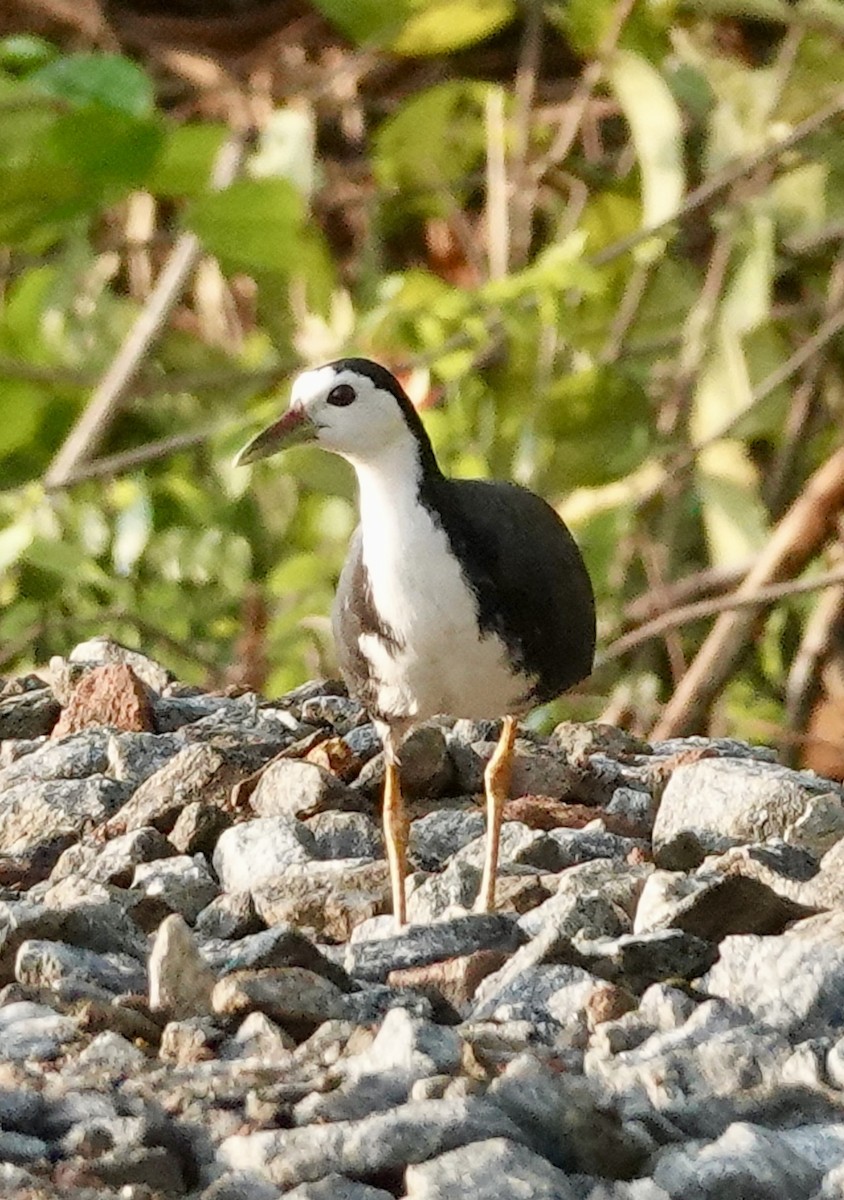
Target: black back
[(527, 573)]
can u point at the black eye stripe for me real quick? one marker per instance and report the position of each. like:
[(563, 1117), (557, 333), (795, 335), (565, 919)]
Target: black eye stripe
[(341, 395)]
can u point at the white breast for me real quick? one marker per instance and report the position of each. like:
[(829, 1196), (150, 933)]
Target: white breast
[(419, 591)]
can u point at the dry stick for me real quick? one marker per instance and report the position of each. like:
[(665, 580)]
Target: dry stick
[(89, 431), (797, 537), (687, 590), (676, 617), (730, 174), (803, 676), (582, 94), (523, 187)]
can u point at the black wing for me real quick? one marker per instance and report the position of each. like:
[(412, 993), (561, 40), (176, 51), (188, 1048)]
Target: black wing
[(528, 575)]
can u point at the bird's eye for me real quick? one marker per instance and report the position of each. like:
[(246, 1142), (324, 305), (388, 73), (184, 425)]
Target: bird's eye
[(341, 395)]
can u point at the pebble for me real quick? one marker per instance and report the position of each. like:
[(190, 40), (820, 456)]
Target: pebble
[(616, 1031), (255, 853)]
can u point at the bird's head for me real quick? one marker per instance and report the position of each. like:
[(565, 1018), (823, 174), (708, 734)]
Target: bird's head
[(352, 407)]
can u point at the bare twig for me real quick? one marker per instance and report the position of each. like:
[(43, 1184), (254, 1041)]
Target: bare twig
[(763, 597), (734, 171), (804, 673), (92, 426), (794, 541), (576, 107), (497, 214)]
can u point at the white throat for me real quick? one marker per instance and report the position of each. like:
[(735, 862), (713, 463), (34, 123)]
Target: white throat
[(388, 487)]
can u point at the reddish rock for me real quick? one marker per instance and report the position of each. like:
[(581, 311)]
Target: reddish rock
[(108, 695), (608, 1002), (334, 755), (456, 979), (544, 812)]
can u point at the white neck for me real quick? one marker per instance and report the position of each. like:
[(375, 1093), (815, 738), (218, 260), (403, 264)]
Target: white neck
[(388, 485)]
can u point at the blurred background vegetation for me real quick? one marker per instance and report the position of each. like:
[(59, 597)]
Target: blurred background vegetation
[(602, 241)]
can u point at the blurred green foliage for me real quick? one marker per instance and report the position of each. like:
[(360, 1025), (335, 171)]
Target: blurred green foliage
[(526, 247)]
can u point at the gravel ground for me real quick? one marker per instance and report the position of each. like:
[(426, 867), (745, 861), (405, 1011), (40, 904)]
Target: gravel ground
[(202, 993)]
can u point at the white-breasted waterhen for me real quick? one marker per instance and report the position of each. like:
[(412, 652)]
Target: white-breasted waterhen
[(458, 596)]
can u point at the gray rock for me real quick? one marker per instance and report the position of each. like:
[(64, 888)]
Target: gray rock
[(552, 944), (581, 845), (538, 770), (100, 650), (438, 835), (618, 886), (36, 812), (133, 757), (156, 1167), (294, 788), (116, 861), (438, 895), (254, 853), (180, 983), (722, 802), (363, 741), (346, 835), (405, 1050), (337, 711), (204, 771), (75, 757), (384, 1142), (293, 996), (184, 885), (112, 1051), (21, 1148), (426, 766), (33, 1032), (28, 714), (638, 960), (793, 982), (198, 827), (282, 946), (495, 1169), (563, 1121), (326, 900), (241, 1185), (231, 916), (711, 905), (99, 926), (551, 997), (337, 1187), (713, 1053), (56, 964), (259, 1037), (745, 1163), (418, 945), (519, 844)]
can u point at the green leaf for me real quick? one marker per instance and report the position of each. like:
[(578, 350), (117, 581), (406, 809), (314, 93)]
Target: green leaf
[(184, 163), (451, 114), (106, 80), (442, 26), (254, 225), (419, 27), (596, 427), (24, 52), (657, 131)]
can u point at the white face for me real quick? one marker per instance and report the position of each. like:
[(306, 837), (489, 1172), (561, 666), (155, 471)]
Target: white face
[(353, 417)]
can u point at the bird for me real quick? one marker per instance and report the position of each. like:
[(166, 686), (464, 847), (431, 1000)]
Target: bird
[(464, 597)]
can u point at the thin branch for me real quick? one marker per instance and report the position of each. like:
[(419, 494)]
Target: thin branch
[(794, 541), (763, 597), (738, 169), (89, 431)]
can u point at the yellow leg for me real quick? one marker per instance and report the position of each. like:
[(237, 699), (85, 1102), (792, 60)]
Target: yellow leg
[(497, 787), (395, 837)]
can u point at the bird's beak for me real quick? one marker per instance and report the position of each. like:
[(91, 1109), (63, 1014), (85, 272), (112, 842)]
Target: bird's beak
[(294, 428)]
